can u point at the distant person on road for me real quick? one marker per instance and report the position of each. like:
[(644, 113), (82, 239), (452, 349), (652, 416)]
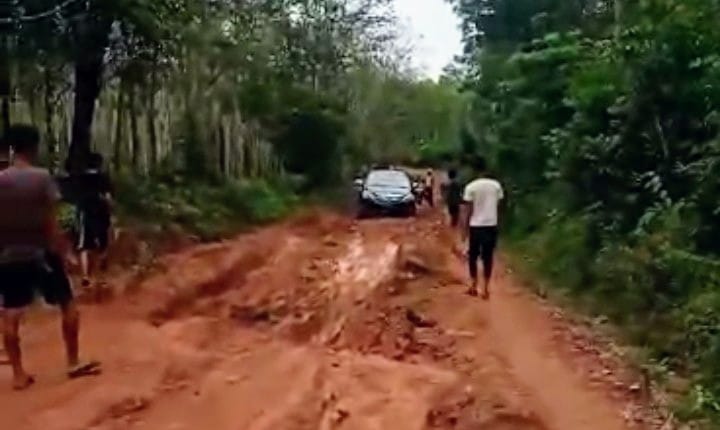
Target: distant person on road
[(33, 253), (429, 188), (4, 155), (479, 227), (453, 196), (94, 217)]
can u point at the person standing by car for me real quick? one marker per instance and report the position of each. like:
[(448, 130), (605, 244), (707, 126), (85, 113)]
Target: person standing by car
[(30, 239), (429, 190), (479, 228), (453, 196)]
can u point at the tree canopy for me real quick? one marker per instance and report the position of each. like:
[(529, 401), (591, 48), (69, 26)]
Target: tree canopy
[(221, 87)]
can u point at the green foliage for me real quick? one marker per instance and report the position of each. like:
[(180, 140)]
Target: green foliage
[(207, 209), (605, 129)]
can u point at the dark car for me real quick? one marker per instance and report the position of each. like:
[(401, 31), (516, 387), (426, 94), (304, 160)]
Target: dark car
[(386, 192)]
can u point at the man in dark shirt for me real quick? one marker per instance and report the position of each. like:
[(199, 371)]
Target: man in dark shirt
[(452, 193), (32, 253), (94, 216)]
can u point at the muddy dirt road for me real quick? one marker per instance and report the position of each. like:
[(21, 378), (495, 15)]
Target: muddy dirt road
[(322, 323)]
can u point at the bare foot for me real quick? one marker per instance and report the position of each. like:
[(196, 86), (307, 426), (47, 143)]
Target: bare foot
[(22, 382), (472, 292)]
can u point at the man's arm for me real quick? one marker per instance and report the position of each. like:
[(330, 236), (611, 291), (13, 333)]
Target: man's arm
[(465, 211), (502, 202)]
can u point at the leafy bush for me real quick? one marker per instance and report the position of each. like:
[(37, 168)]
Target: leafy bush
[(614, 175), (206, 209)]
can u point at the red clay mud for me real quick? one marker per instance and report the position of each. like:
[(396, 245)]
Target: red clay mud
[(319, 323)]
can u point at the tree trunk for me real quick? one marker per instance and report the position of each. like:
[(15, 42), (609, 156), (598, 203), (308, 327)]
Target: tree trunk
[(50, 137), (119, 128), (4, 102), (618, 18), (88, 73), (92, 36), (221, 147), (134, 131), (152, 131), (4, 86)]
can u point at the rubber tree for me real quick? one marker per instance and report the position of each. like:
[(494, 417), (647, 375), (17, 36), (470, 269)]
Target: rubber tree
[(91, 34)]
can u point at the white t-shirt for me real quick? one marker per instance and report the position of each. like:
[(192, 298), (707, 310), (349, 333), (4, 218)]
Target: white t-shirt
[(483, 194)]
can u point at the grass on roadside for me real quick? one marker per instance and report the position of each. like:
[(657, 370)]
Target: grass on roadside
[(662, 299), (208, 210)]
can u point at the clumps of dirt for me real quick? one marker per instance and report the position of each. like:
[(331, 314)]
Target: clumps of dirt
[(184, 299), (122, 413), (317, 223), (386, 322), (422, 259), (462, 409), (249, 315), (418, 320), (605, 364), (96, 294)]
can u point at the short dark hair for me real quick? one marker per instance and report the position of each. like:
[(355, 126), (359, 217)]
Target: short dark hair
[(95, 160), (23, 139), (452, 173)]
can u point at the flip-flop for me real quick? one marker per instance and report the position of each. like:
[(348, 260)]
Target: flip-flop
[(90, 368), (25, 385)]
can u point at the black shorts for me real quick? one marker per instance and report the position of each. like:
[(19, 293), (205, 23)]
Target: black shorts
[(482, 243), (454, 212), (21, 282), (93, 232)]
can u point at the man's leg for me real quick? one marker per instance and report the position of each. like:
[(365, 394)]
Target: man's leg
[(473, 255), (11, 341), (489, 243), (70, 330), (85, 267), (19, 281), (454, 212), (83, 246), (57, 291), (105, 231)]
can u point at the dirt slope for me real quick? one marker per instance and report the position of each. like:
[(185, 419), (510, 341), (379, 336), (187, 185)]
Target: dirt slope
[(322, 323)]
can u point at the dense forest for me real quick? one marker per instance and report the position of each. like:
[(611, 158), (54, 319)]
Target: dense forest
[(263, 96), (602, 118)]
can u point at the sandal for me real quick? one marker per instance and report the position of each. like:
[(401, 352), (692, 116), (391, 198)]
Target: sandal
[(90, 368)]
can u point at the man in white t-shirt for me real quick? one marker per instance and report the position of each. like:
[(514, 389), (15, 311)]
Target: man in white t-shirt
[(480, 222)]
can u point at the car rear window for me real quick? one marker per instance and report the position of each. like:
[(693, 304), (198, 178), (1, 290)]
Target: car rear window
[(393, 178)]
